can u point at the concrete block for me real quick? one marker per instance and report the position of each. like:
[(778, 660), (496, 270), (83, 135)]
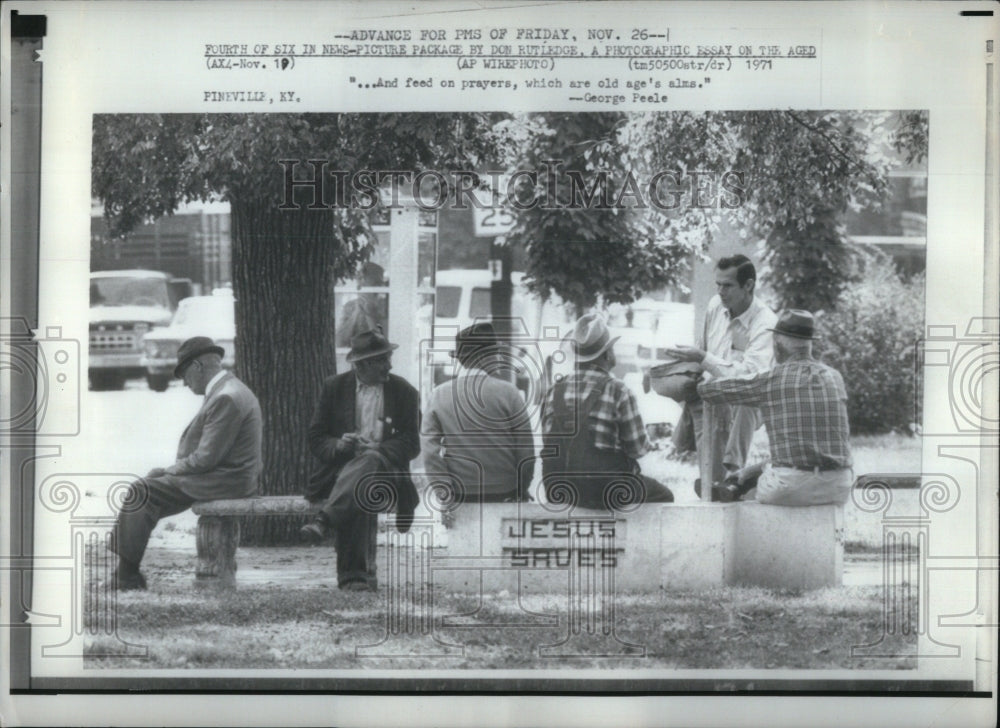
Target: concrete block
[(784, 547), (696, 545), (526, 548)]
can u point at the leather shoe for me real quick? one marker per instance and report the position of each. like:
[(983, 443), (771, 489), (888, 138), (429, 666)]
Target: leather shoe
[(356, 586), (316, 531), (404, 520), (129, 580), (725, 492)]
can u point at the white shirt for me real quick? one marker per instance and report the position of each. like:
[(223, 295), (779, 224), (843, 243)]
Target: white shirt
[(369, 403), (213, 381), (738, 346)]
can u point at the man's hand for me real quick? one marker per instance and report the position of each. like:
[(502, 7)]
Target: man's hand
[(156, 472), (686, 353), (347, 442), (366, 445)]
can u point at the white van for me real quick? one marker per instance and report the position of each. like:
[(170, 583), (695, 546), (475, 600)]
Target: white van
[(463, 297)]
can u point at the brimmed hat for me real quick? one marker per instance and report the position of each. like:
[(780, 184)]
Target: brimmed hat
[(795, 323), (368, 344), (474, 339), (591, 337), (192, 349)]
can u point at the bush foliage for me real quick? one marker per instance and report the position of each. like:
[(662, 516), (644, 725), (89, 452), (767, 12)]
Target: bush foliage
[(871, 338)]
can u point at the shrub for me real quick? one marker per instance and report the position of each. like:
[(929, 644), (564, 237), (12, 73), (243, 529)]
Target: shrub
[(871, 338)]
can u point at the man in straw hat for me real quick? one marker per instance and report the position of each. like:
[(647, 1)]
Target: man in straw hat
[(219, 457), (476, 426), (592, 430), (363, 434), (735, 342), (804, 405)]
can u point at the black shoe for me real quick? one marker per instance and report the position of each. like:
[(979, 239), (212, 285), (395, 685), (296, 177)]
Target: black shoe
[(728, 493), (357, 586), (404, 520), (316, 531), (715, 490), (129, 580)]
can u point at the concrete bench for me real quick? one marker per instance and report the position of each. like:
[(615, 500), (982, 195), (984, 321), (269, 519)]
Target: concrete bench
[(527, 547), (784, 547), (219, 531)]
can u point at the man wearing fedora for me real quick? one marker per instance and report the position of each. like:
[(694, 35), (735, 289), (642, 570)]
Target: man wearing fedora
[(804, 405), (593, 433), (476, 427), (363, 434), (219, 456), (735, 342)]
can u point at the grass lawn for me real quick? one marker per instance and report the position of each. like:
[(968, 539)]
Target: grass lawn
[(293, 616)]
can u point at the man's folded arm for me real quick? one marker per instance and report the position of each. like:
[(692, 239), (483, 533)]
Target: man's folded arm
[(222, 423), (322, 444)]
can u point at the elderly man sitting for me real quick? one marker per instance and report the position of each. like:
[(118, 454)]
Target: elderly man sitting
[(804, 405), (219, 456), (476, 426), (593, 433), (363, 434)]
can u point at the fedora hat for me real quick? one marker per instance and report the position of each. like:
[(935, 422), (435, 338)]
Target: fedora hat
[(795, 323), (192, 349), (591, 337), (368, 344), (474, 339)]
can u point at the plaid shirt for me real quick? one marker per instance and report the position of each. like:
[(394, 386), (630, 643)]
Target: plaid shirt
[(614, 420), (804, 405)]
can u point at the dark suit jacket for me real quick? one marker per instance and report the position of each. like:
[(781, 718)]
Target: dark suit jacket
[(334, 416)]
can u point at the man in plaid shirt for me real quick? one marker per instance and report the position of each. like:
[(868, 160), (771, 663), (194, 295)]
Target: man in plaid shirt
[(593, 433), (804, 405)]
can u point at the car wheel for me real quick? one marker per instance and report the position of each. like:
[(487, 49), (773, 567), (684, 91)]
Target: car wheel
[(158, 382)]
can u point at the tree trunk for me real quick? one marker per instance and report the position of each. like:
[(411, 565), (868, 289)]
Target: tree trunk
[(283, 279)]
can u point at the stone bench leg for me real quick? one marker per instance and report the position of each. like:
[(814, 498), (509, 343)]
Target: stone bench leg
[(217, 540)]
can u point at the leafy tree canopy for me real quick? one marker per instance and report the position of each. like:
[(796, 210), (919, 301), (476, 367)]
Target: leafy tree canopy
[(796, 173), (585, 250), (800, 171)]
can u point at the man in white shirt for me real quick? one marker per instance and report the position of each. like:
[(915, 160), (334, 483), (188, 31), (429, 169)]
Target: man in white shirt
[(735, 342)]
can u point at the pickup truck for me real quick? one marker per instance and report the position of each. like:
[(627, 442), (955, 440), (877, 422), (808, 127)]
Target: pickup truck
[(124, 306)]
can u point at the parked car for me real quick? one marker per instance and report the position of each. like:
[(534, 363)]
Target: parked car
[(647, 327), (213, 316), (124, 305)]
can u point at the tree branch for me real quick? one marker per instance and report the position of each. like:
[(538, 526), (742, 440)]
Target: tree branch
[(840, 152)]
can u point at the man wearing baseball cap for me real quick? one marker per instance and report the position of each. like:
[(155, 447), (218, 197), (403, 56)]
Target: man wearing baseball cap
[(804, 406), (364, 432), (219, 457)]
